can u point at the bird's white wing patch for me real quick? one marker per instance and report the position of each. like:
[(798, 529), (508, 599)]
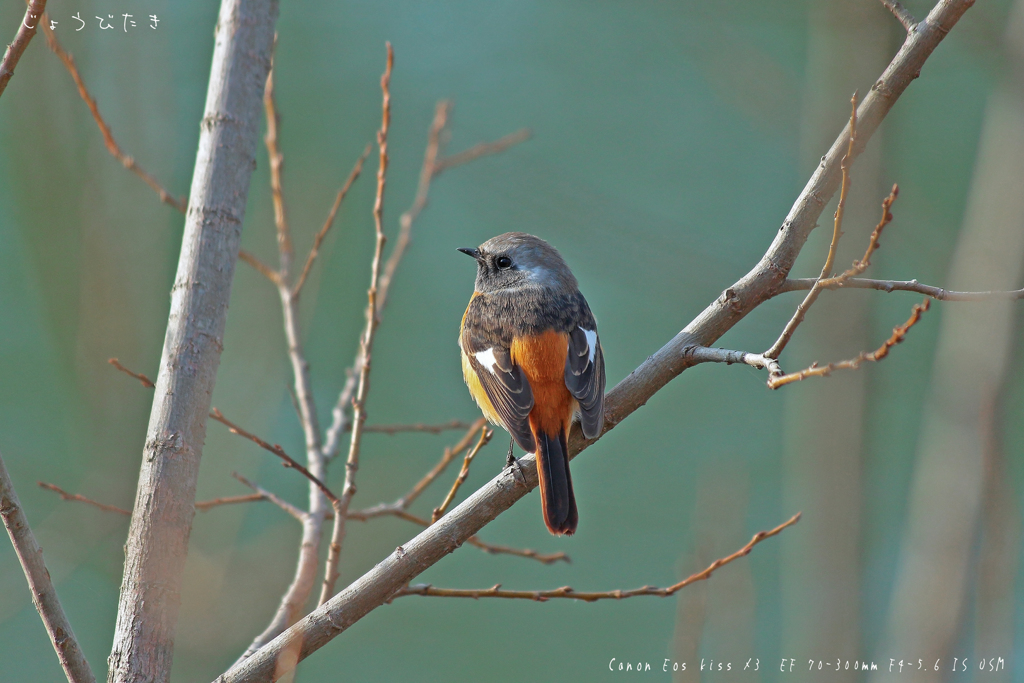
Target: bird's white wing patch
[(591, 336), (487, 359)]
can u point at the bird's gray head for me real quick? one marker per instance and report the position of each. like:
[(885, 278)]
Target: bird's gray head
[(515, 261)]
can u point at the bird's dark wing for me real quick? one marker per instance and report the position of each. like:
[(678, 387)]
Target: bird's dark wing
[(505, 385), (584, 376)]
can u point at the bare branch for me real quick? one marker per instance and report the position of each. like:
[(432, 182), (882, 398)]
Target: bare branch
[(837, 232), (44, 595), (340, 422), (377, 512), (485, 437), (108, 137), (901, 13), (888, 286), (570, 594), (366, 345), (419, 427), (82, 499), (207, 505), (705, 354), (146, 382), (276, 158), (259, 266), (289, 461), (898, 334), (26, 31), (318, 240), (396, 571), (272, 497), (481, 150)]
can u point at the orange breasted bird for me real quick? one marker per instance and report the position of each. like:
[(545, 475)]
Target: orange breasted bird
[(532, 359)]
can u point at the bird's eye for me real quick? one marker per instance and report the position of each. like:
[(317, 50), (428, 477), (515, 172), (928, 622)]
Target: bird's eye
[(503, 262)]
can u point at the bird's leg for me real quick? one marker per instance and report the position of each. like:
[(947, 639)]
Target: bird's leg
[(512, 463)]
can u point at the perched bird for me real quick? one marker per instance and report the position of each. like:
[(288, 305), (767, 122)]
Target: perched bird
[(532, 359)]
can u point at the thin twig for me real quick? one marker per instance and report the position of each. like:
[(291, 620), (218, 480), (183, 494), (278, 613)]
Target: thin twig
[(26, 31), (862, 264), (901, 14), (146, 382), (888, 286), (44, 595), (568, 593), (289, 461), (284, 239), (837, 232), (707, 354), (485, 437), (207, 505), (378, 512), (318, 240), (449, 454), (108, 137), (366, 346), (262, 268), (898, 334), (481, 150), (340, 422), (421, 427), (272, 497), (82, 499)]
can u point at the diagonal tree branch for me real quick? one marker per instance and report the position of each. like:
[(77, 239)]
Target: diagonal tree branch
[(26, 31), (44, 595), (157, 544), (760, 284)]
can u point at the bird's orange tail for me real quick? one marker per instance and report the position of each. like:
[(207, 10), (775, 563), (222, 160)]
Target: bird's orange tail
[(557, 499)]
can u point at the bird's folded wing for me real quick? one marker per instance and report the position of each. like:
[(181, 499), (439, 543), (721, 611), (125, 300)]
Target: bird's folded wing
[(584, 376), (508, 389)]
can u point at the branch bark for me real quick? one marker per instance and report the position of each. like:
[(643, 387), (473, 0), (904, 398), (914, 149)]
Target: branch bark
[(26, 31), (44, 595), (761, 283), (157, 543)]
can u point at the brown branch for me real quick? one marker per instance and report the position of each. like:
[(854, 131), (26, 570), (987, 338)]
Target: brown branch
[(898, 334), (260, 267), (568, 593), (26, 31), (289, 461), (276, 159), (366, 345), (485, 437), (108, 137), (481, 150), (318, 240), (146, 382), (861, 265), (44, 595), (421, 427), (382, 511), (395, 571), (82, 499), (901, 14), (837, 232), (888, 286), (273, 498), (449, 454), (207, 505)]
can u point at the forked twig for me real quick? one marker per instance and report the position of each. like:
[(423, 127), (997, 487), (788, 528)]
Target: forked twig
[(485, 437), (898, 334)]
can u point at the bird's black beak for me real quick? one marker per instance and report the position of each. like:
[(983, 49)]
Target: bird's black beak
[(469, 251)]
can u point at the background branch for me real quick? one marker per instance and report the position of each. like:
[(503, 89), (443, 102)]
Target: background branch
[(26, 31), (44, 595)]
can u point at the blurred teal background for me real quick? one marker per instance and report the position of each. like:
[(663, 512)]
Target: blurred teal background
[(670, 140)]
